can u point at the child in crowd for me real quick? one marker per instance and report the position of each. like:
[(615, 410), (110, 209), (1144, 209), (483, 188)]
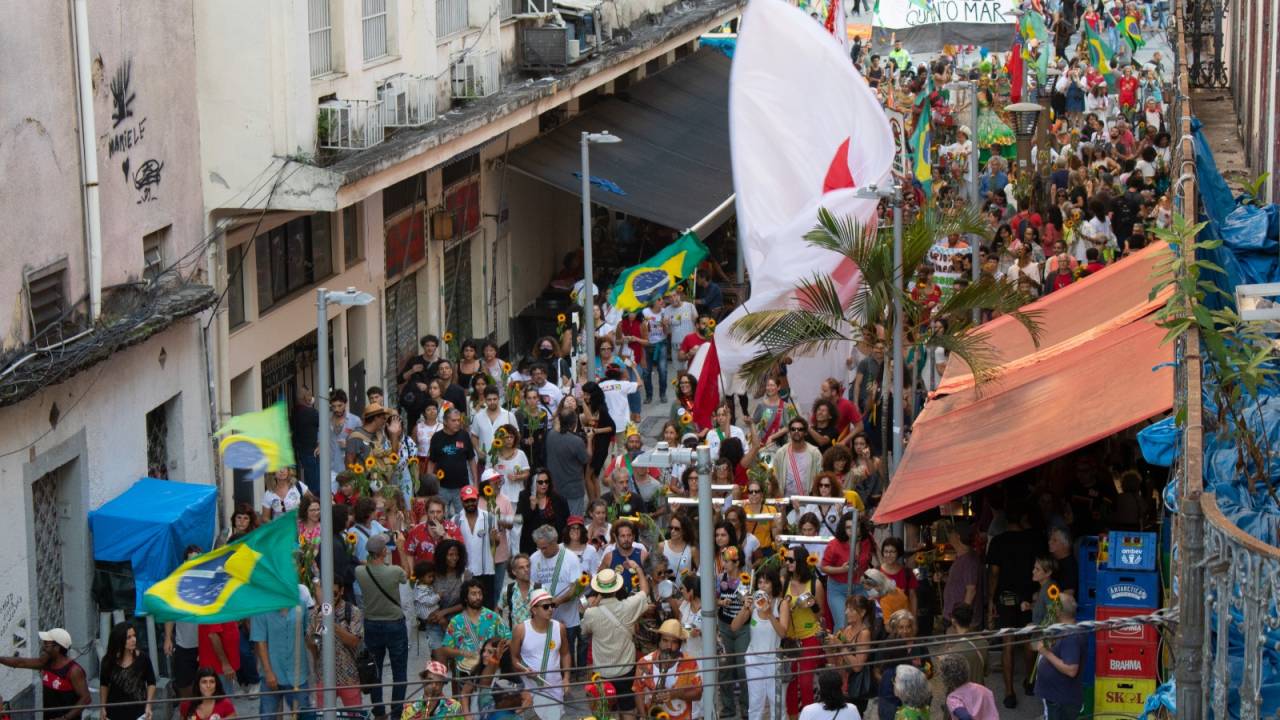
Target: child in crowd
[(426, 601)]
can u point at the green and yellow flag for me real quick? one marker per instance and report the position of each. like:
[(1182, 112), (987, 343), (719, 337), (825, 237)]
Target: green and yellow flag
[(1100, 53), (1132, 35), (1032, 27), (251, 576), (258, 441), (921, 164), (640, 285)]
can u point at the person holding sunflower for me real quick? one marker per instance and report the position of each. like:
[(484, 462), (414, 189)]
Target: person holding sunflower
[(682, 406), (667, 684), (609, 621)]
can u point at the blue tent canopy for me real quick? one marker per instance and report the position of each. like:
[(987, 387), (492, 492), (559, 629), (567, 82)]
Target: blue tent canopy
[(150, 524)]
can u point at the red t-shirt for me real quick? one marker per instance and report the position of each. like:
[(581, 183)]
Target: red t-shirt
[(341, 499), (691, 341), (904, 578), (229, 633), (927, 298), (837, 554), (634, 327), (1093, 267), (421, 543), (1061, 280), (847, 414), (221, 709), (1128, 90)]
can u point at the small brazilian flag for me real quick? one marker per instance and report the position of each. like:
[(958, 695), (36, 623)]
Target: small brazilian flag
[(258, 441), (1131, 34), (640, 285), (251, 576), (921, 164), (1032, 27), (1100, 53)]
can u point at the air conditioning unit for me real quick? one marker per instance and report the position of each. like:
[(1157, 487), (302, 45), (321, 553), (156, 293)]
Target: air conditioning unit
[(577, 34), (407, 100), (350, 124), (475, 75), (545, 47)]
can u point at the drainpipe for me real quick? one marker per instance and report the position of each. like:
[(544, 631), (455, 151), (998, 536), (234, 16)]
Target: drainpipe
[(88, 157)]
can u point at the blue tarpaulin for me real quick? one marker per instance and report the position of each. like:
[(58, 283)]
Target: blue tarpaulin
[(150, 524)]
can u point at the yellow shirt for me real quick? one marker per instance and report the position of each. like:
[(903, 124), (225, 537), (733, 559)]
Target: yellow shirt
[(804, 620), (762, 529)]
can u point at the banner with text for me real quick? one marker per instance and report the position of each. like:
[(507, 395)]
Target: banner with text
[(924, 28)]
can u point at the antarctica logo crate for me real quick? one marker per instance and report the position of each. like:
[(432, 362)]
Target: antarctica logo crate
[(1128, 589)]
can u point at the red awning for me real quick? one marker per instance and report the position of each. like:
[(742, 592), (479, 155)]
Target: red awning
[(1101, 368)]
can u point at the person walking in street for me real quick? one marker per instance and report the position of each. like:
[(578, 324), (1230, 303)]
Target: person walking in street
[(479, 534), (542, 644), (348, 627), (469, 629), (1058, 682), (768, 613), (452, 459), (567, 457), (554, 568), (384, 626), (284, 665), (610, 622)]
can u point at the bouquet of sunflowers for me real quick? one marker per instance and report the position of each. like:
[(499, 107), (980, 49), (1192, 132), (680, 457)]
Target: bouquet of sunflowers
[(601, 692), (307, 559), (378, 474), (501, 439)]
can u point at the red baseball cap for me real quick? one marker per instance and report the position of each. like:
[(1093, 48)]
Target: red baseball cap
[(576, 520), (469, 492)]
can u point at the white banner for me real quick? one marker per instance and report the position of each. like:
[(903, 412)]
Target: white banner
[(905, 14)]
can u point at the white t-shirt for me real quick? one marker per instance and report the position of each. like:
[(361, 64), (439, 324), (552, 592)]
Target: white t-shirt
[(816, 711), (713, 440), (278, 505), (484, 428), (541, 572), (653, 324), (681, 320), (422, 433), (615, 400)]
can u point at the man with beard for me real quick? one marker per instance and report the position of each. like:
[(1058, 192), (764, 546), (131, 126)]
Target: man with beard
[(549, 394), (469, 629), (452, 454), (542, 647), (625, 554), (449, 388), (431, 530), (667, 679), (479, 535)]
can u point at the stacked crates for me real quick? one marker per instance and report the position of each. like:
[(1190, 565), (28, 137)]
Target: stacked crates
[(1126, 656)]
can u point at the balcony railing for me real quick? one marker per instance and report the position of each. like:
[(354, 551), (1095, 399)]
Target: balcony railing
[(350, 125), (476, 75), (451, 17), (407, 100)]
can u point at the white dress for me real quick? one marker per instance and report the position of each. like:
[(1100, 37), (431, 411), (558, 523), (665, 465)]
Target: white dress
[(760, 663)]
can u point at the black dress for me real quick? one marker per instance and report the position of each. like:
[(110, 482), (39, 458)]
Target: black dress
[(555, 514)]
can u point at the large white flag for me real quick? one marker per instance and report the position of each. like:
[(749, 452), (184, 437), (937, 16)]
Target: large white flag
[(805, 131)]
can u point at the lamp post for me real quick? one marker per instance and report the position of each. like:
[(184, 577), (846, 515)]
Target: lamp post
[(1026, 115), (324, 298), (588, 286)]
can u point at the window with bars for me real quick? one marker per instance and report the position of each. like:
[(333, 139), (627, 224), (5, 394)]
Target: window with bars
[(320, 36), (373, 22)]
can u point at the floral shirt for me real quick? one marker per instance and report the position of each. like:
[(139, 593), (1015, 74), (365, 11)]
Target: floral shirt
[(446, 709), (467, 636), (681, 675)]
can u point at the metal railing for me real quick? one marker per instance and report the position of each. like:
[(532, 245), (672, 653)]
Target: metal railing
[(407, 100), (320, 37), (476, 75), (350, 125), (451, 17)]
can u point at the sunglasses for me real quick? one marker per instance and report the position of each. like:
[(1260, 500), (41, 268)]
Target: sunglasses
[(545, 606), (790, 560), (756, 491), (797, 430), (824, 485), (544, 482)]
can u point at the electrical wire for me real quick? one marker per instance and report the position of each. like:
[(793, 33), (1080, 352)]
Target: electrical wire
[(1015, 636)]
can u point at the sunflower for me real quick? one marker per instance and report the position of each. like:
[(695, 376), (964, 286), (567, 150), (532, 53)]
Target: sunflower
[(302, 539), (811, 561), (745, 577), (1053, 593), (585, 580), (920, 558), (440, 474), (413, 459), (488, 491), (635, 581), (560, 318), (497, 443), (711, 323), (358, 469), (393, 459), (448, 336), (351, 537), (506, 367), (686, 419), (662, 716), (370, 461)]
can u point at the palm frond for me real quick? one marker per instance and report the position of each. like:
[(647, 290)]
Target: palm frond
[(974, 349), (990, 294), (784, 333)]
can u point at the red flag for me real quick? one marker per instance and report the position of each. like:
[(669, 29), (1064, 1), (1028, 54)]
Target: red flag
[(833, 8), (705, 366), (1014, 68)]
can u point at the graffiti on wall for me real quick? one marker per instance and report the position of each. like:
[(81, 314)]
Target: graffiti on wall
[(13, 623), (127, 134)]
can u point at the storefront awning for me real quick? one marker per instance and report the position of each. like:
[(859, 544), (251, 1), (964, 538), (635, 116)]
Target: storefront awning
[(672, 166), (1101, 368)]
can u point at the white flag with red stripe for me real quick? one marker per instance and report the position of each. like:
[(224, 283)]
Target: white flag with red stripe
[(705, 368), (806, 131)]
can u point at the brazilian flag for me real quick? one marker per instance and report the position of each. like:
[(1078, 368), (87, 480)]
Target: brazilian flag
[(1131, 34), (258, 441), (1032, 27), (1100, 54), (251, 576), (921, 164), (640, 285)]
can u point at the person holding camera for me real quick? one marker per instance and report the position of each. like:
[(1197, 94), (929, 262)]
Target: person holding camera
[(769, 614)]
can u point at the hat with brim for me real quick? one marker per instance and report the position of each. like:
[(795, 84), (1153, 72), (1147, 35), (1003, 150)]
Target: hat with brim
[(57, 636), (606, 581), (435, 669), (373, 410), (539, 596), (672, 629)]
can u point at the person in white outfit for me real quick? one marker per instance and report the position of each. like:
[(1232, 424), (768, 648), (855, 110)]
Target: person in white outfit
[(769, 613), (543, 649), (832, 704)]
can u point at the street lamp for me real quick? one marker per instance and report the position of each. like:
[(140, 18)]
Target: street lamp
[(324, 298), (894, 196), (588, 286), (1025, 117)]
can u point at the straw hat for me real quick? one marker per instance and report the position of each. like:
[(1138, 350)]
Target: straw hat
[(671, 628), (606, 582)]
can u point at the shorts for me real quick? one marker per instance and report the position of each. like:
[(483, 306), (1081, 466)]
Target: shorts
[(1009, 612), (186, 661), (625, 701)]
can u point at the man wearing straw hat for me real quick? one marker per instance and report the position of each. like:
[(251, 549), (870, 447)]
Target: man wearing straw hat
[(667, 681), (541, 646), (611, 621)]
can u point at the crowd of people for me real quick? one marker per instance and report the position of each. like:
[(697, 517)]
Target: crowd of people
[(509, 528)]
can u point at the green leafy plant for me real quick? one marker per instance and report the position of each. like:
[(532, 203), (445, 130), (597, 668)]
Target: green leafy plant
[(1253, 190), (1237, 354)]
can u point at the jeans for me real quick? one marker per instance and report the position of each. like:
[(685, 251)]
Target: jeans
[(656, 359), (837, 593), (452, 500), (1058, 711), (577, 506), (735, 643), (271, 703), (383, 637), (309, 465), (577, 648), (499, 579)]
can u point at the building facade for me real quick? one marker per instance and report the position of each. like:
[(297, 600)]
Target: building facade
[(102, 372)]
